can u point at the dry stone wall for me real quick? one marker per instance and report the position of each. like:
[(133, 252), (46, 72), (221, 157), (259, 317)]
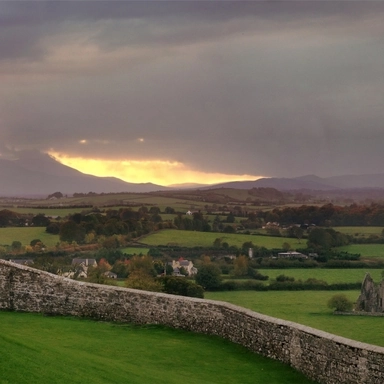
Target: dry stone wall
[(319, 355)]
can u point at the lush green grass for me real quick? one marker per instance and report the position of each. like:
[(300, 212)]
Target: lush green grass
[(37, 349), (329, 275), (365, 250), (366, 231), (308, 308), (26, 234), (206, 239)]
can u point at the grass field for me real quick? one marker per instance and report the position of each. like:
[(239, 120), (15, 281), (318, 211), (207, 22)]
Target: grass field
[(37, 349), (135, 251), (365, 250), (62, 212), (308, 308), (329, 275), (26, 234), (206, 239), (366, 231)]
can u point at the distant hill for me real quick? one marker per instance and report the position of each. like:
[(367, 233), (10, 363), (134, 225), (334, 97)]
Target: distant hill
[(187, 186), (35, 174), (310, 182)]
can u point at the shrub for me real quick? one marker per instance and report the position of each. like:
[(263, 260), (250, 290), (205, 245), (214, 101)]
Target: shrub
[(340, 303)]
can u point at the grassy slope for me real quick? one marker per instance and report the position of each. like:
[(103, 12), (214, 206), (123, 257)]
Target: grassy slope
[(37, 349), (26, 235), (308, 308), (206, 239)]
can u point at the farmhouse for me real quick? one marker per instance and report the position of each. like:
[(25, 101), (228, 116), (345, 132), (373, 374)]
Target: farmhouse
[(82, 266), (371, 296), (186, 264), (291, 255)]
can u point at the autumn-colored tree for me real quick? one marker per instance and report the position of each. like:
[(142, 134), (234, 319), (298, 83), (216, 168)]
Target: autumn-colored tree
[(140, 279), (241, 265)]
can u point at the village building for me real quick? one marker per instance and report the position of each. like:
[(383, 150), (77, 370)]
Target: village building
[(82, 265), (186, 264), (291, 255)]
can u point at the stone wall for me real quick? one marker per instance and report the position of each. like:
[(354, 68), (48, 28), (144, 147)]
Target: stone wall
[(319, 355)]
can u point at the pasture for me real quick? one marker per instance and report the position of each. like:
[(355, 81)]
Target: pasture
[(135, 250), (365, 250), (359, 231), (308, 308), (49, 212), (26, 234), (331, 276), (38, 349), (206, 239)]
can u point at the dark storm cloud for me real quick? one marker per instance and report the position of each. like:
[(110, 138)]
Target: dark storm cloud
[(273, 88)]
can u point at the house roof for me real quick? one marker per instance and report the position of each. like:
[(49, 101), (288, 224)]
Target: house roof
[(84, 261)]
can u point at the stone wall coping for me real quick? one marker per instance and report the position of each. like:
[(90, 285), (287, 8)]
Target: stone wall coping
[(235, 308)]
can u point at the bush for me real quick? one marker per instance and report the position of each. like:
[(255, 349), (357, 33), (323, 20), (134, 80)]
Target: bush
[(208, 276), (181, 286), (340, 303)]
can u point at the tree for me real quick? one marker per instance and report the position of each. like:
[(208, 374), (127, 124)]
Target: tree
[(208, 276), (53, 228), (229, 229), (217, 242), (340, 303), (241, 264), (139, 279), (286, 246), (230, 218), (97, 275), (70, 231), (40, 220), (169, 210), (143, 264), (16, 246), (180, 286)]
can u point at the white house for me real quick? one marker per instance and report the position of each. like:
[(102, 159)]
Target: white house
[(186, 264)]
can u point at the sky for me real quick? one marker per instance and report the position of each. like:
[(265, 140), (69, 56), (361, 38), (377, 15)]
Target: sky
[(176, 92)]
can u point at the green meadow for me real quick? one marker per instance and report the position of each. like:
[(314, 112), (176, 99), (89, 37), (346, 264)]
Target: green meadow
[(206, 239), (44, 350), (331, 276), (308, 308), (135, 251), (366, 231), (365, 250), (26, 234)]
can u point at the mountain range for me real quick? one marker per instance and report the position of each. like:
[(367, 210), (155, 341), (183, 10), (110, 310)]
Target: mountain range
[(312, 182), (36, 174)]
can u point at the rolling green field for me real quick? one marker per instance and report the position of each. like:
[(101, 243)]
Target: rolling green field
[(206, 239), (308, 308), (365, 250), (26, 234), (349, 275), (38, 349)]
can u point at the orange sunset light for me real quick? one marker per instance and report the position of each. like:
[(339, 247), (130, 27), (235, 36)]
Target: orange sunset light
[(143, 171)]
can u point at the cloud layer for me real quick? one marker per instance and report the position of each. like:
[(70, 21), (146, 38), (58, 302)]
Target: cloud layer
[(256, 88)]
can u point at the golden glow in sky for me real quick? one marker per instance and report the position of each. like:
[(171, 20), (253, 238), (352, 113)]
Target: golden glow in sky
[(154, 171)]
